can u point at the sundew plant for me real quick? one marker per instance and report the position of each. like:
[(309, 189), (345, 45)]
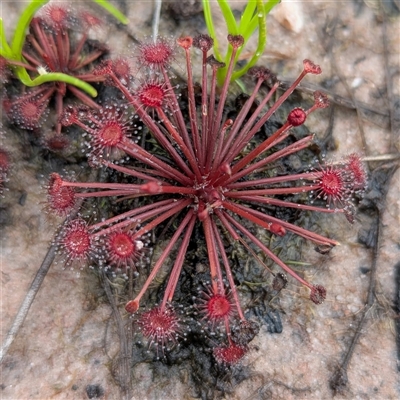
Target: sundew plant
[(187, 168), (194, 167)]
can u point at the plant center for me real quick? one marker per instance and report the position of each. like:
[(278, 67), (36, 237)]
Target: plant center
[(111, 134), (122, 245), (331, 183), (218, 306), (29, 110), (152, 96), (78, 242)]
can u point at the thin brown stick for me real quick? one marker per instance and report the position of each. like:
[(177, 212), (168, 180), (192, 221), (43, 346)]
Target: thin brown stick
[(37, 283), (124, 359), (394, 137)]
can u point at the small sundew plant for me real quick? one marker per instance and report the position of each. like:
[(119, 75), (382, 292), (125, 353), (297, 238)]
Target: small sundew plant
[(12, 51), (52, 47), (252, 18), (202, 169)]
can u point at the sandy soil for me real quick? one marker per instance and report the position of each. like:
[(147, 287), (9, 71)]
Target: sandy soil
[(68, 339)]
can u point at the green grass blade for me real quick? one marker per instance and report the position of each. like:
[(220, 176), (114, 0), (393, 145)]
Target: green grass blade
[(248, 14), (208, 18), (5, 49), (22, 26), (230, 20), (262, 40), (210, 27), (268, 6), (241, 85), (113, 11)]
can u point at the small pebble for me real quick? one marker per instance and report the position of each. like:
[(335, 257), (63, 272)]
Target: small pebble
[(290, 15)]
